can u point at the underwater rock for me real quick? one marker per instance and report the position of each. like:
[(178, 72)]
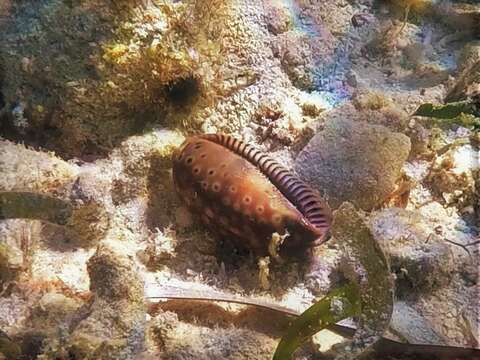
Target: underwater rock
[(17, 249), (366, 265), (286, 121), (323, 275), (454, 175), (278, 17), (9, 349), (84, 218), (39, 83), (46, 186), (353, 161), (384, 39), (467, 83), (463, 15), (11, 263), (300, 56), (327, 16), (421, 260), (421, 139), (296, 58), (88, 224), (84, 76), (90, 218), (375, 108), (85, 223), (372, 107), (113, 277), (180, 340), (52, 309), (24, 169), (113, 326), (49, 316), (413, 327), (469, 56)]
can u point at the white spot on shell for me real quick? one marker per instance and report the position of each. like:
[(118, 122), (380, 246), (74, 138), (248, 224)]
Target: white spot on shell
[(216, 186), (277, 219), (235, 231), (209, 212)]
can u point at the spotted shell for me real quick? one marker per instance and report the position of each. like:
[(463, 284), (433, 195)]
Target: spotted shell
[(247, 196)]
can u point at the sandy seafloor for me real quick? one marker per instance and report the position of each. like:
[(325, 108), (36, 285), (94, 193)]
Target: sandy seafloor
[(96, 95)]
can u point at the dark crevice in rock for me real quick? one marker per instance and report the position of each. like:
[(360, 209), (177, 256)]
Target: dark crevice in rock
[(183, 92)]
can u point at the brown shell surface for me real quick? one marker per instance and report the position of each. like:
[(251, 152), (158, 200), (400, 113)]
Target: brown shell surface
[(245, 195)]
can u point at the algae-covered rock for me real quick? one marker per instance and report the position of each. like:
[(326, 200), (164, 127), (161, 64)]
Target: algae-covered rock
[(78, 78), (421, 260), (279, 18), (469, 56), (300, 55), (53, 309), (296, 57), (90, 219), (88, 224), (11, 262), (24, 169), (374, 108), (29, 205), (112, 325), (49, 319), (454, 175), (17, 249), (113, 277), (32, 59), (85, 220), (366, 265), (179, 340), (467, 83), (412, 326), (9, 349), (354, 161), (39, 185), (460, 15)]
